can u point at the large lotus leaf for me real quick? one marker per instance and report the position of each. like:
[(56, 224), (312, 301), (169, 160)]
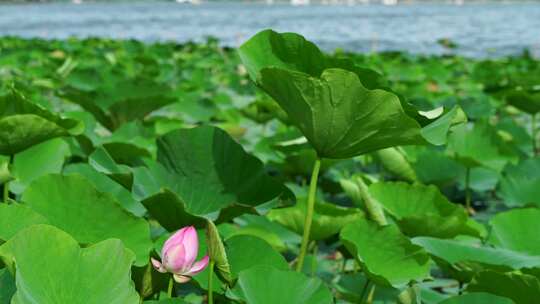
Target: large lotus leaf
[(328, 219), (268, 285), (436, 131), (134, 134), (518, 230), (244, 252), (42, 159), (516, 134), (174, 301), (525, 101), (521, 288), (387, 256), (479, 145), (477, 298), (24, 124), (171, 211), (291, 51), (50, 267), (16, 217), (339, 108), (74, 205), (420, 210), (208, 171), (338, 115), (7, 286), (118, 100), (520, 184), (103, 162), (105, 184), (350, 286), (448, 169), (260, 226), (472, 258)]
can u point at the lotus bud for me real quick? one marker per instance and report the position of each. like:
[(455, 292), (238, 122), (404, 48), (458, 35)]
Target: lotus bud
[(178, 255)]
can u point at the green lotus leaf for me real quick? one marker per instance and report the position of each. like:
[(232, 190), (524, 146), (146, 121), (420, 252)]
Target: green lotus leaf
[(387, 256), (7, 286), (16, 217), (279, 237), (170, 301), (342, 110), (520, 288), (449, 170), (50, 267), (436, 131), (106, 184), (73, 204), (520, 184), (328, 219), (171, 211), (41, 159), (116, 100), (479, 145), (420, 210), (468, 259), (102, 161), (129, 141), (291, 51), (126, 153), (217, 253), (477, 298), (24, 124), (268, 285), (245, 251), (208, 171), (518, 230), (351, 285), (528, 102)]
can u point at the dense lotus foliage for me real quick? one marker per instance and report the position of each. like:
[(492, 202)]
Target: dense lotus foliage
[(302, 177)]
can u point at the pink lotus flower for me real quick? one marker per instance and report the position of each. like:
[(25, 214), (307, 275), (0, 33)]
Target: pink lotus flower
[(178, 255)]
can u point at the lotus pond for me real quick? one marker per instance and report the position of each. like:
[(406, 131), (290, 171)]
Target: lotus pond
[(272, 173)]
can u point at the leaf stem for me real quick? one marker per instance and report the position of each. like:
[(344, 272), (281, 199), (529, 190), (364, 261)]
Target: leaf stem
[(170, 289), (6, 192), (533, 131), (309, 213), (6, 184), (468, 189), (210, 277), (364, 290)]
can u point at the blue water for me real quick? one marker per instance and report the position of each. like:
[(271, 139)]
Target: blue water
[(479, 29)]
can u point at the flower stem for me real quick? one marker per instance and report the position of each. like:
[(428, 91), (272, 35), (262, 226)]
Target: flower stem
[(210, 277), (309, 213), (170, 289)]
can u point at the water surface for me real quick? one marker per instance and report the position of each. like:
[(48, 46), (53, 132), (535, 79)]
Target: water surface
[(479, 29)]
